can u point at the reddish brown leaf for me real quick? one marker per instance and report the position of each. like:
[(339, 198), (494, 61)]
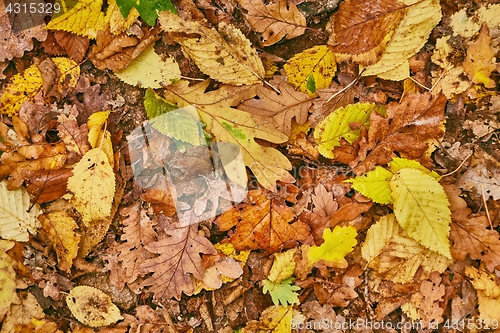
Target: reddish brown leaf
[(178, 263), (75, 46), (363, 28), (432, 292), (48, 185), (263, 222), (349, 212)]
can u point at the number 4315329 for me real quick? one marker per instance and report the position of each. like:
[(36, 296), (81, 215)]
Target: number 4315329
[(33, 8)]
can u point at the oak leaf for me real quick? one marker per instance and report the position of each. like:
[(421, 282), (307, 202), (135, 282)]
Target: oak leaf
[(75, 137), (274, 21), (482, 175), (282, 292), (410, 128), (227, 124), (338, 243), (93, 186), (178, 263), (137, 233), (488, 293), (323, 201), (92, 307), (60, 227), (283, 108), (362, 29), (225, 55), (263, 222), (432, 292), (311, 69), (23, 313), (409, 37), (8, 293)]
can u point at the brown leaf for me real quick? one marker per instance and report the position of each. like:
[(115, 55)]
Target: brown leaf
[(178, 263), (74, 137), (323, 201), (274, 21), (409, 129), (263, 222), (363, 28), (75, 46), (137, 232), (282, 108), (349, 212), (93, 98), (48, 185), (432, 292)]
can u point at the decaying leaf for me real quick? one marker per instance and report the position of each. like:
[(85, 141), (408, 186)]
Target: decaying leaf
[(311, 69), (22, 87), (480, 60), (288, 105), (263, 222), (276, 318), (225, 55), (17, 217), (23, 313), (148, 70), (362, 29), (92, 307), (93, 186), (178, 263), (488, 293), (8, 294), (275, 21), (482, 176)]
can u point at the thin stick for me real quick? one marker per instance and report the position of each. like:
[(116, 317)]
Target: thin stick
[(486, 206), (346, 87), (450, 173)]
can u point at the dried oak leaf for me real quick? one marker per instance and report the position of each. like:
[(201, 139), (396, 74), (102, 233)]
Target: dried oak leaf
[(410, 129), (137, 233), (274, 21), (74, 137), (93, 98), (432, 291), (15, 37), (178, 263), (28, 310), (362, 29), (282, 108), (263, 222)]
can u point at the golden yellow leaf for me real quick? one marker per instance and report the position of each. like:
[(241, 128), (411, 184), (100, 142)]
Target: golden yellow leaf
[(59, 227), (93, 186), (17, 220), (69, 69), (99, 137), (148, 70), (92, 307), (411, 34), (283, 266), (480, 60), (229, 250), (225, 55), (422, 209), (117, 23), (338, 243), (311, 69), (274, 319), (488, 293), (21, 88), (275, 21), (84, 19)]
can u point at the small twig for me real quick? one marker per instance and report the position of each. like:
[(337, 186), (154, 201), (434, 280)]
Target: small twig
[(346, 87), (486, 206), (450, 173)]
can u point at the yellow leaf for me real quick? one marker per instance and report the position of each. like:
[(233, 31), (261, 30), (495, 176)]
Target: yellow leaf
[(21, 88), (378, 237), (236, 126), (92, 307), (8, 294), (16, 217), (480, 60), (274, 319), (118, 24), (488, 293), (84, 19), (225, 55), (148, 70), (311, 69), (23, 313), (374, 185), (274, 21), (98, 136), (229, 250), (59, 227), (422, 209), (338, 243), (336, 126), (93, 185), (283, 266), (68, 69), (411, 34), (398, 163)]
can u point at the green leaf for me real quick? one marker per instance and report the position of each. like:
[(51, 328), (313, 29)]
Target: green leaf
[(374, 185), (146, 8), (336, 126), (338, 243), (156, 105), (282, 292), (422, 209)]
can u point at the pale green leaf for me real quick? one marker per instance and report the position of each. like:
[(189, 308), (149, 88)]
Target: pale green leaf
[(282, 292)]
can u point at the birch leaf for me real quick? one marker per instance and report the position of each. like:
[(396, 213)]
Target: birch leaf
[(148, 70), (23, 86), (16, 217), (93, 186), (374, 185), (311, 69), (411, 34), (422, 209), (85, 19), (275, 21), (225, 55)]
